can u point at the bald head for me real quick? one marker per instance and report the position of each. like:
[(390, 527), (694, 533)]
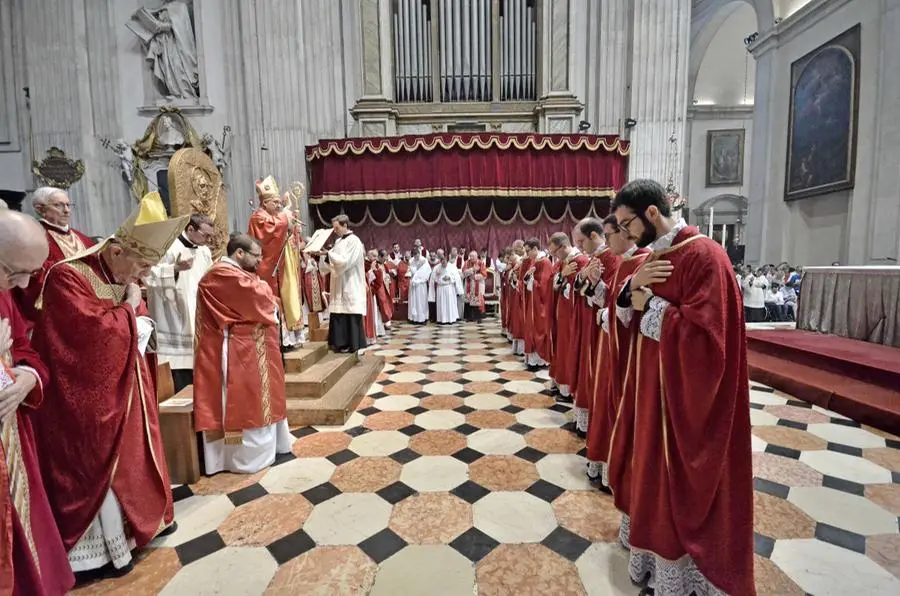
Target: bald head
[(23, 248)]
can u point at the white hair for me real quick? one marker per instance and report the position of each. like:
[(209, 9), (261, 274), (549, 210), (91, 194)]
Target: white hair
[(3, 204), (41, 195)]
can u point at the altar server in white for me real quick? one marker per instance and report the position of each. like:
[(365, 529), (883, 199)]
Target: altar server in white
[(447, 287), (419, 274), (172, 297)]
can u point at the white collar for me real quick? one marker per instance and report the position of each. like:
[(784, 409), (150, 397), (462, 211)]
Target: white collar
[(63, 229), (232, 262), (630, 251), (665, 241)]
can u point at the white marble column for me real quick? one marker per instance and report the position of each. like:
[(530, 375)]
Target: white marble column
[(755, 232), (602, 61), (286, 80), (558, 108), (659, 78), (69, 45), (374, 112)]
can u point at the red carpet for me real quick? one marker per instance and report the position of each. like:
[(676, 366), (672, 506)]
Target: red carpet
[(855, 378)]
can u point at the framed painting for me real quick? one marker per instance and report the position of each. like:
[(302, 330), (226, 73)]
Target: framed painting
[(725, 157), (821, 147)]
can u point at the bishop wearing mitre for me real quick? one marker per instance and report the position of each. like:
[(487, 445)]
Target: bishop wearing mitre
[(239, 396), (272, 224), (98, 432)]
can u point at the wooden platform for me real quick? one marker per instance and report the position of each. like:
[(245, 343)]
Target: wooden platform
[(324, 388)]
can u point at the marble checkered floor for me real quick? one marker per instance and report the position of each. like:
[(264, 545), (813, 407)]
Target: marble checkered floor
[(454, 477)]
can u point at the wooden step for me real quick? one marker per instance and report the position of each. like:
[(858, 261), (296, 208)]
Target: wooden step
[(316, 380), (297, 361), (335, 407), (320, 334)]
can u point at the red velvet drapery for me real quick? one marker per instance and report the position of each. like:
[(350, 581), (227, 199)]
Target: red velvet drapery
[(480, 190)]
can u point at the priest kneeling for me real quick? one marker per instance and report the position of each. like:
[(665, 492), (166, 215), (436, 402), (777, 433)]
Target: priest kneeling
[(239, 399)]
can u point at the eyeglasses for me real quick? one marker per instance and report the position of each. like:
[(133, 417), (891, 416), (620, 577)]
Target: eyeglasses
[(625, 225), (11, 274), (255, 255), (62, 206)]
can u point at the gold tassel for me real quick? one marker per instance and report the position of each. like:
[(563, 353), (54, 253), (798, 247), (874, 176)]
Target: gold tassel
[(234, 438)]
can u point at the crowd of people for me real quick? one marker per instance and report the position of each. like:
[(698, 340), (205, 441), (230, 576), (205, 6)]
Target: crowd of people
[(770, 293), (639, 318)]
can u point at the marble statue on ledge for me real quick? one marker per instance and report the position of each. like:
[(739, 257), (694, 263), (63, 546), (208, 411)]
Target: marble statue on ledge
[(167, 36), (219, 151), (126, 159)]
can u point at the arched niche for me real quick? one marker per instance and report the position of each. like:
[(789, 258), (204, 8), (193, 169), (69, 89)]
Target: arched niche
[(729, 213)]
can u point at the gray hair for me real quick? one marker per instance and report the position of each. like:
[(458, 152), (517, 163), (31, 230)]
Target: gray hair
[(41, 195), (3, 204)]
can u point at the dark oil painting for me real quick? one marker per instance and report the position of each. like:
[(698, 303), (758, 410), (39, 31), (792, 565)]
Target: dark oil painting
[(821, 152)]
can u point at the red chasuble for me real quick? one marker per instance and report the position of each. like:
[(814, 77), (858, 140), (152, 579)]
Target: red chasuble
[(590, 331), (522, 275), (313, 286), (504, 300), (402, 281), (369, 318), (99, 424), (475, 288), (612, 360), (381, 291), (236, 312), (538, 309), (691, 420), (63, 245), (516, 321), (32, 557), (391, 268), (271, 231), (564, 368)]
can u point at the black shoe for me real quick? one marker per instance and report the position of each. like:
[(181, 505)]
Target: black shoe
[(173, 527), (570, 426), (114, 572), (554, 391), (564, 399), (581, 434), (534, 367)]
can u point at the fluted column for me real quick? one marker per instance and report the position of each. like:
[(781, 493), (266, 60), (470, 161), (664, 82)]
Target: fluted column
[(659, 77), (73, 83), (602, 62), (760, 176), (558, 108), (286, 80), (374, 111)]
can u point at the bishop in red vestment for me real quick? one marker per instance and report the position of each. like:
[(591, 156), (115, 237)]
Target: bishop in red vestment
[(32, 557), (689, 521), (592, 284), (611, 349), (98, 432), (403, 279), (239, 392), (474, 274), (54, 209), (273, 225), (369, 325), (381, 288), (517, 299), (564, 368)]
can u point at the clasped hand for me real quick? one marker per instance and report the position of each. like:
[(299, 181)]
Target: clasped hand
[(651, 273)]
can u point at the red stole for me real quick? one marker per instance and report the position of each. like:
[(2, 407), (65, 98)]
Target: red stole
[(402, 281), (540, 298), (63, 245), (271, 231), (504, 300), (32, 556), (590, 331), (382, 295), (473, 288), (516, 322), (609, 369), (313, 287), (369, 318), (564, 368), (99, 426), (391, 268), (233, 301), (692, 413)]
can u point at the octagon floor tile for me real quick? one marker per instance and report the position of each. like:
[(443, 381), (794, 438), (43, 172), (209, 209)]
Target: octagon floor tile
[(429, 569), (440, 420), (822, 568), (565, 471), (784, 471), (848, 467), (842, 510), (885, 457), (153, 569), (434, 473), (780, 519), (532, 400), (885, 550), (886, 496), (847, 435), (437, 442), (503, 473), (490, 419), (379, 443), (526, 570), (348, 519), (388, 420), (590, 514), (791, 438), (496, 442), (224, 483), (265, 520), (320, 444), (514, 517), (325, 571), (297, 476), (772, 581), (232, 570), (553, 440), (366, 474), (431, 518)]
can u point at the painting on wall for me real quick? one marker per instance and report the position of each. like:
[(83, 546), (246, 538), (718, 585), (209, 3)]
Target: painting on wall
[(725, 157), (821, 148)]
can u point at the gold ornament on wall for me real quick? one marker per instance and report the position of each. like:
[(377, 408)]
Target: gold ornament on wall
[(195, 186), (58, 169)]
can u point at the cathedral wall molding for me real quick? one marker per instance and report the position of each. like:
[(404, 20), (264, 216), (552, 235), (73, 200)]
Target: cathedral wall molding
[(795, 25)]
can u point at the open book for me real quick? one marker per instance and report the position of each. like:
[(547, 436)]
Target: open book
[(319, 239), (144, 24)]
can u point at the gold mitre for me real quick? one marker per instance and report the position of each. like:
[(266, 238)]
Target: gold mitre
[(148, 231), (267, 189)]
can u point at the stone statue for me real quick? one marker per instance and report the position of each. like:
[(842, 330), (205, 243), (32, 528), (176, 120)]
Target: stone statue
[(126, 159), (167, 35), (195, 186), (218, 150)]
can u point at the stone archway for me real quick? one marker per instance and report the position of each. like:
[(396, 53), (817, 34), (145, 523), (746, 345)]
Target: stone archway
[(729, 215)]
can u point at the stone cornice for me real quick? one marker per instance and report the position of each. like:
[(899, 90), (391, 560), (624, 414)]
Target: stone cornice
[(796, 24), (719, 112)]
